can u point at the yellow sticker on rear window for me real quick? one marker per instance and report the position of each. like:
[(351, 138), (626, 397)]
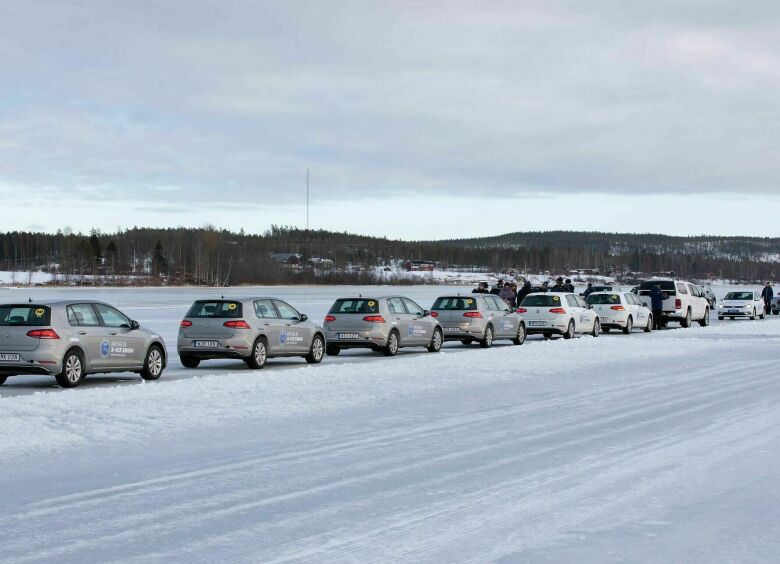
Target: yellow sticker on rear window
[(469, 301), (371, 303), (39, 312), (556, 299), (232, 306)]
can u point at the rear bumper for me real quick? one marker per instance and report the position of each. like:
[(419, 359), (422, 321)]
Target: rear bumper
[(555, 328), (455, 333), (366, 339), (726, 313), (29, 368)]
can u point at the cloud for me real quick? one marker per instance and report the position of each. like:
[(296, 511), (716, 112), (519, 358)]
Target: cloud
[(202, 102)]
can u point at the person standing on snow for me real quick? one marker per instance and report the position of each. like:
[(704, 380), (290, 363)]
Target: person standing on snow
[(589, 290), (481, 289), (507, 294), (524, 291), (657, 298), (767, 293), (558, 287), (569, 286), (496, 291)]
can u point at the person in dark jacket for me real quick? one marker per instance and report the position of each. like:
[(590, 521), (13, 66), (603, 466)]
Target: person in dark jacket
[(481, 289), (559, 287), (496, 290), (507, 294), (767, 293), (523, 292), (569, 286), (589, 290), (657, 298)]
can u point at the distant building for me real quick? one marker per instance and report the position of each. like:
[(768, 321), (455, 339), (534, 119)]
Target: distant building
[(419, 266), (292, 260)]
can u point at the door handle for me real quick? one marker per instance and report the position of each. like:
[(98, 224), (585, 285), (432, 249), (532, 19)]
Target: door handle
[(112, 333), (266, 324), (289, 324), (82, 332)]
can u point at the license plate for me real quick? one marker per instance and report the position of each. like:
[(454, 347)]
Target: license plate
[(537, 323), (205, 344), (9, 357), (734, 311), (348, 336), (452, 329)]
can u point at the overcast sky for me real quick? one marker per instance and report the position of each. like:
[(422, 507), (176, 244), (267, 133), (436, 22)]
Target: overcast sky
[(417, 119)]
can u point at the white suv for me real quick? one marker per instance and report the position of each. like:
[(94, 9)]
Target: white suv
[(684, 302)]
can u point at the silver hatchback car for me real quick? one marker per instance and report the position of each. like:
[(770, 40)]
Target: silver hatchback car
[(249, 329), (481, 317), (70, 339), (383, 324)]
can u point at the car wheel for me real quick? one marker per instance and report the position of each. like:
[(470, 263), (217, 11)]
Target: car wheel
[(436, 341), (391, 348), (259, 355), (522, 333), (649, 326), (687, 321), (629, 325), (753, 317), (316, 351), (776, 312), (72, 370), (761, 316), (720, 318), (596, 328), (332, 350), (570, 330), (3, 379), (487, 340), (154, 363), (189, 361), (704, 321)]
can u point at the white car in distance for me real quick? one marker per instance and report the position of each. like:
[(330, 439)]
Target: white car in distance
[(621, 310), (741, 304), (558, 313)]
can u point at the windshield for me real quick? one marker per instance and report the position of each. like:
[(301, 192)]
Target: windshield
[(217, 309), (455, 304), (739, 296), (355, 305), (27, 315), (543, 300), (666, 286), (600, 299)]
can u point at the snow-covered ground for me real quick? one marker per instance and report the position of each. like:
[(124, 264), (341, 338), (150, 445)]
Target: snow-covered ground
[(643, 448)]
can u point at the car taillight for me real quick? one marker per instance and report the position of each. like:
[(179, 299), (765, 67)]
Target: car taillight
[(558, 311), (678, 303), (521, 310), (329, 318), (240, 324), (43, 334), (185, 323), (374, 319), (434, 314), (618, 308), (472, 314)]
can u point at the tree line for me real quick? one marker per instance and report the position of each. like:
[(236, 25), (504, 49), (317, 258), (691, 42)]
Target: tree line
[(217, 257)]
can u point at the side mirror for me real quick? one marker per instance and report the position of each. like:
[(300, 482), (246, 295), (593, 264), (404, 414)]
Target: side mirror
[(134, 325), (426, 312), (304, 317)]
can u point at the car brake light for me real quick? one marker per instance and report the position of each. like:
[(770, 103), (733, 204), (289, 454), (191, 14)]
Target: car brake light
[(434, 314), (43, 334), (329, 318), (558, 311), (185, 323), (521, 310), (678, 303), (240, 324), (618, 308), (472, 314), (374, 319)]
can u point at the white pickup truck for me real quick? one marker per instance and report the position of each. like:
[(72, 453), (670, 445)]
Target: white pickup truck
[(684, 302)]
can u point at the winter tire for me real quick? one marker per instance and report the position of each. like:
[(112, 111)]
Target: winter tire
[(391, 348), (570, 331), (687, 321), (316, 351), (436, 341), (649, 326), (259, 355), (3, 379), (72, 370), (154, 364), (761, 316), (332, 350), (189, 361), (596, 328), (522, 333), (487, 340), (753, 317), (704, 321), (629, 325)]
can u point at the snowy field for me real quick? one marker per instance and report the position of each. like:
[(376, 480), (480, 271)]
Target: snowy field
[(644, 448)]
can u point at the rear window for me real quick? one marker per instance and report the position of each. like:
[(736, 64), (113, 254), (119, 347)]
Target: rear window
[(665, 285), (216, 308), (739, 296), (543, 301), (603, 299), (355, 305), (27, 315), (455, 304)]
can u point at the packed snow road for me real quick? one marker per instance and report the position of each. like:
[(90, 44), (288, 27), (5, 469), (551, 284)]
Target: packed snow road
[(648, 447)]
